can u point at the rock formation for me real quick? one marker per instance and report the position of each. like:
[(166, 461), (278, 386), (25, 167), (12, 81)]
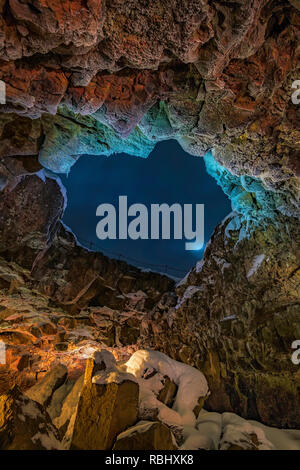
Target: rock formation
[(210, 75), (146, 435), (43, 391), (235, 316), (100, 77)]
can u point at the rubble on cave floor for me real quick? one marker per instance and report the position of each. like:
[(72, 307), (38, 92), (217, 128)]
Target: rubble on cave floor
[(89, 413), (38, 333)]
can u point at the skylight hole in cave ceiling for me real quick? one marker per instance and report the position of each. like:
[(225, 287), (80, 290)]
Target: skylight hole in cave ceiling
[(169, 175)]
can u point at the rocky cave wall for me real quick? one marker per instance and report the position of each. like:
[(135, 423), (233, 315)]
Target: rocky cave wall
[(100, 77)]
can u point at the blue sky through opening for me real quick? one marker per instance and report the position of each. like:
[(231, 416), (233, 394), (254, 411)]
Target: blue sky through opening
[(169, 175)]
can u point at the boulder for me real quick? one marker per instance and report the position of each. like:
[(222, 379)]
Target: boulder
[(245, 318), (168, 393), (200, 405), (24, 424), (146, 435), (240, 434), (295, 3), (108, 404), (29, 216), (43, 391), (58, 398)]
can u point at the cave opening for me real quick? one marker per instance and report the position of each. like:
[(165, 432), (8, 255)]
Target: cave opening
[(169, 175)]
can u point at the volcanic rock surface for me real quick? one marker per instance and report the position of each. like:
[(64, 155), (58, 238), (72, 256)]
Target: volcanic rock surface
[(93, 411), (105, 76), (211, 75)]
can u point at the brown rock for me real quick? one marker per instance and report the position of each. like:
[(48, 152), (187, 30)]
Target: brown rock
[(146, 435), (168, 393), (101, 414), (43, 391), (24, 425), (200, 405), (16, 337), (62, 346)]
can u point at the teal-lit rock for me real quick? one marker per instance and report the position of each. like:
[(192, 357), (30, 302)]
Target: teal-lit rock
[(68, 136), (248, 195)]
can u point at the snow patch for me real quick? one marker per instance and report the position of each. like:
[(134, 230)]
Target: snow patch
[(105, 357), (191, 383), (140, 427), (234, 224), (221, 431), (255, 265), (183, 281), (112, 376), (228, 318), (188, 294)]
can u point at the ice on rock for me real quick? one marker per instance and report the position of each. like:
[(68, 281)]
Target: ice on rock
[(112, 373), (188, 294), (105, 357), (255, 265), (210, 431)]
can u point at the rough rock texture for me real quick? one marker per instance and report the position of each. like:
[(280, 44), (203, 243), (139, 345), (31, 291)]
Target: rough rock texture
[(146, 435), (57, 298), (228, 431), (65, 420), (211, 75), (30, 212), (235, 317), (24, 424), (31, 234), (105, 408), (100, 77), (40, 330)]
